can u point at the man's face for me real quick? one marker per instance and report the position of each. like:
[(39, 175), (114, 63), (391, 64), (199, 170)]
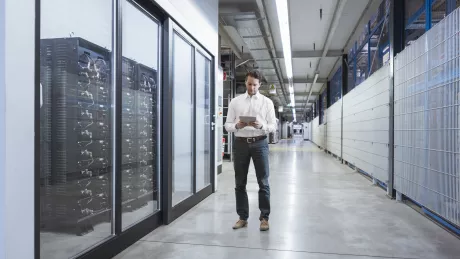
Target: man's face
[(252, 85)]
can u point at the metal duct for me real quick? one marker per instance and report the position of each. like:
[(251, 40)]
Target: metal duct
[(248, 25)]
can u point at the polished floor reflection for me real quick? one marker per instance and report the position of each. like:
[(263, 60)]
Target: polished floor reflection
[(320, 210)]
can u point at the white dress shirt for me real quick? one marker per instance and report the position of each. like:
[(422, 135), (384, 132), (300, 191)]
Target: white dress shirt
[(257, 106)]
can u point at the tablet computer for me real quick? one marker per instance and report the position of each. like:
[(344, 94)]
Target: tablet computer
[(247, 119)]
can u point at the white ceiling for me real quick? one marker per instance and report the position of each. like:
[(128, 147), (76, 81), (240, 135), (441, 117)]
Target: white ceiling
[(301, 67), (349, 18), (309, 32), (306, 26)]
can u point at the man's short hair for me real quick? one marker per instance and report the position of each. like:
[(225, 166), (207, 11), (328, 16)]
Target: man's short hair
[(254, 74)]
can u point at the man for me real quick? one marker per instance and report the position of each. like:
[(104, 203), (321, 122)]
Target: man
[(251, 142)]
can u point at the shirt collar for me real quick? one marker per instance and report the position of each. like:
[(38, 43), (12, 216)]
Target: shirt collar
[(257, 95)]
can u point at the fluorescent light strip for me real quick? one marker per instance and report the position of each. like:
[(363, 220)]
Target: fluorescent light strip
[(283, 20)]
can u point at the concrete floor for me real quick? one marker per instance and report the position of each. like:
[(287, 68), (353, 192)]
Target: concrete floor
[(61, 245), (321, 209)]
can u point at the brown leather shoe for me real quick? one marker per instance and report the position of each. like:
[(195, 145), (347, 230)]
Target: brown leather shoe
[(240, 224), (264, 225)]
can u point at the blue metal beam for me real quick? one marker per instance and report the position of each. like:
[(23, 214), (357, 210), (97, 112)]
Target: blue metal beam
[(415, 16), (428, 4), (358, 49), (419, 12)]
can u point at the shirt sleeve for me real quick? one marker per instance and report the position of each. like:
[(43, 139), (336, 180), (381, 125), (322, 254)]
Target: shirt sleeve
[(271, 125), (230, 122)]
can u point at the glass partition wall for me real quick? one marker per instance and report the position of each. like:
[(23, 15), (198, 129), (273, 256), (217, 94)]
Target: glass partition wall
[(190, 130), (183, 110), (203, 119), (140, 114), (111, 133), (76, 126)]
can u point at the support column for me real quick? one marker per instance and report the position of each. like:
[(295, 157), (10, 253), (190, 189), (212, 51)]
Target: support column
[(344, 75), (355, 63), (369, 57), (451, 5), (397, 43), (428, 15), (343, 92)]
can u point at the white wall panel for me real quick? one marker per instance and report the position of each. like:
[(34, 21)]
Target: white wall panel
[(427, 119), (17, 93), (334, 128), (307, 130), (197, 17), (366, 125), (318, 133)]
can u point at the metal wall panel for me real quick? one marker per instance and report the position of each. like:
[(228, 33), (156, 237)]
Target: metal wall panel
[(334, 128), (427, 130), (366, 125), (318, 133), (307, 130)]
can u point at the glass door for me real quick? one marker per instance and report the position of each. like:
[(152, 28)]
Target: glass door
[(203, 120), (188, 123), (99, 169), (76, 129), (182, 74), (139, 121)]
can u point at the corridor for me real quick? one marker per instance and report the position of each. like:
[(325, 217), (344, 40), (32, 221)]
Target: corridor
[(321, 209)]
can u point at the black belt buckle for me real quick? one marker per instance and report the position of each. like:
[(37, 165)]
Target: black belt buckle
[(250, 140)]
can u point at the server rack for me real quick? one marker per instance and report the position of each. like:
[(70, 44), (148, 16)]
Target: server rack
[(76, 131), (76, 144), (139, 95)]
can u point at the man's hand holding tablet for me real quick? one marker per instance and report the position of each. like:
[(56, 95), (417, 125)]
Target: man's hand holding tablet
[(248, 121)]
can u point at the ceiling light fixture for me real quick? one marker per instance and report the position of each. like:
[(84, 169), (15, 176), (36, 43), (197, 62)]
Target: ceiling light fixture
[(283, 20)]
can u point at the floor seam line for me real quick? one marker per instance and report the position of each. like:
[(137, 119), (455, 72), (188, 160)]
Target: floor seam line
[(278, 250)]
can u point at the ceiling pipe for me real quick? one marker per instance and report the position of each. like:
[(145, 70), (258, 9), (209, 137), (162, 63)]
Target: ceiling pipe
[(244, 62), (330, 34), (263, 12), (226, 37)]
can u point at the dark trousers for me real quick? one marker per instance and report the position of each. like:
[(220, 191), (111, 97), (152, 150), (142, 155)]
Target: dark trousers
[(258, 151)]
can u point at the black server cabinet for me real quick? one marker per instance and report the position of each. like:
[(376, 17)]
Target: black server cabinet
[(147, 132), (76, 135), (139, 166), (130, 146)]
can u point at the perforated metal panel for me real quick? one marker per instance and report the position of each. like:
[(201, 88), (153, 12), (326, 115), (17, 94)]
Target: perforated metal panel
[(366, 125), (334, 128), (427, 130)]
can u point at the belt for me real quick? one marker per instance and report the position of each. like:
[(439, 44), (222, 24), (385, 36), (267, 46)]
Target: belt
[(252, 139)]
